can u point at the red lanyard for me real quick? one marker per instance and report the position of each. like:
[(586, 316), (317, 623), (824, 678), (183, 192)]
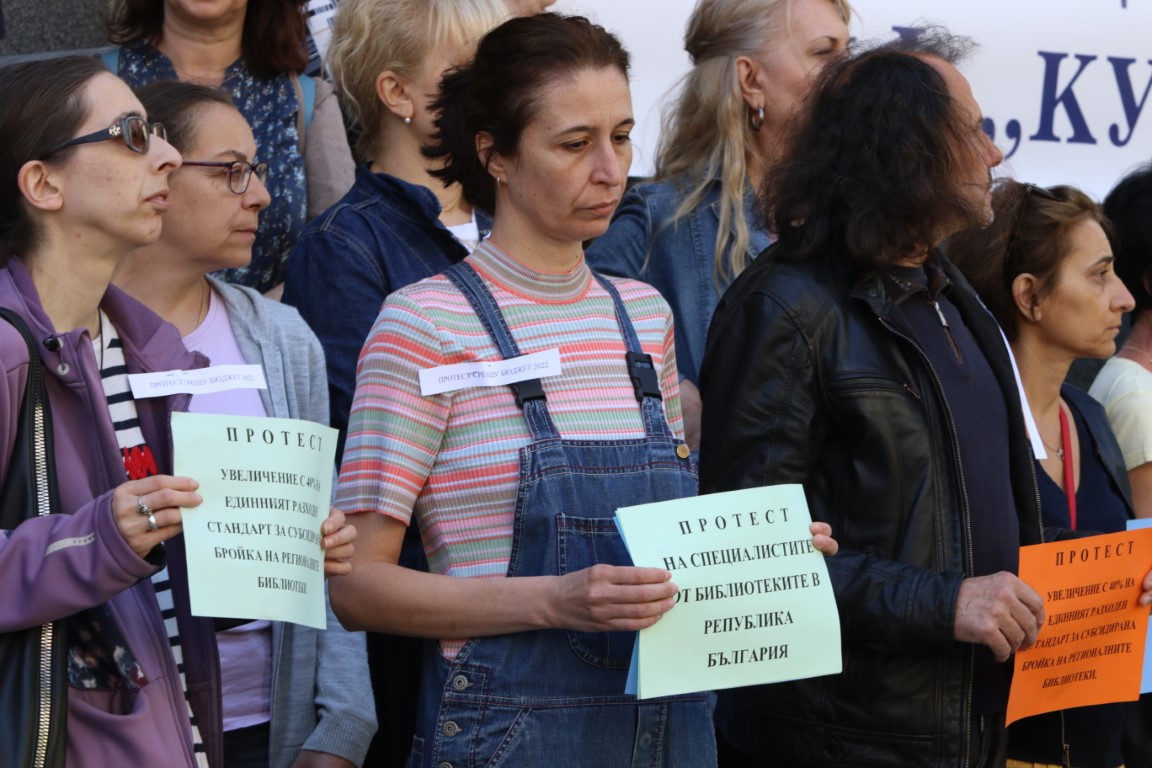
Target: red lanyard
[(1069, 474)]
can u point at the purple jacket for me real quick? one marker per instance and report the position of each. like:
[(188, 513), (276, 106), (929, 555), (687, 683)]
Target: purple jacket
[(52, 567)]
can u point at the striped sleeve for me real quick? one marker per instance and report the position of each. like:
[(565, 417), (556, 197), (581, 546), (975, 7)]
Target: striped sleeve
[(394, 433), (670, 381)]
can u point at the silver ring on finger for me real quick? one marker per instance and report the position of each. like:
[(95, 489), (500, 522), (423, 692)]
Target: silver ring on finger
[(141, 508), (152, 526)]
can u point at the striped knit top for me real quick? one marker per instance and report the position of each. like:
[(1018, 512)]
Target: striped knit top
[(452, 459)]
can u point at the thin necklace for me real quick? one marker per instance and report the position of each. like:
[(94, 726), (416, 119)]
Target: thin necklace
[(1059, 449), (1137, 349), (212, 81)]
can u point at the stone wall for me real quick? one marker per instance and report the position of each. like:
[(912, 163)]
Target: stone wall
[(35, 26)]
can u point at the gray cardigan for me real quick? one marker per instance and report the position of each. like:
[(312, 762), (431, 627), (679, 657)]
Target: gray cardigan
[(321, 692)]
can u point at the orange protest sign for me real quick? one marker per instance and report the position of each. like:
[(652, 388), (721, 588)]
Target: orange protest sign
[(1091, 647)]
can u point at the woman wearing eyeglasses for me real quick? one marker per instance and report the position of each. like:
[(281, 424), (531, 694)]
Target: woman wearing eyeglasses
[(88, 185), (292, 695), (254, 50), (1045, 269)]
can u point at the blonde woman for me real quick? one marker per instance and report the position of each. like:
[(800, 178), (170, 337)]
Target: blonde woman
[(397, 225), (694, 228)]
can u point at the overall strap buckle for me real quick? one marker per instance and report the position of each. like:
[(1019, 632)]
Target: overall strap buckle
[(524, 391), (643, 375)]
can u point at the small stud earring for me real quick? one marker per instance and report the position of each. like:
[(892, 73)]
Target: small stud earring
[(407, 121)]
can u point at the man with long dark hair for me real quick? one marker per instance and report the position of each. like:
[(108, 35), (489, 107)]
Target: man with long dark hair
[(854, 359)]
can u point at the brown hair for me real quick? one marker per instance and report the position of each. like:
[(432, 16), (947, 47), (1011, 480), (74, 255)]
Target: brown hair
[(497, 94), (1028, 236), (273, 41), (178, 106), (49, 95)]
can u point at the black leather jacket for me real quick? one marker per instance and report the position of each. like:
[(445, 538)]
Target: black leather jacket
[(809, 377)]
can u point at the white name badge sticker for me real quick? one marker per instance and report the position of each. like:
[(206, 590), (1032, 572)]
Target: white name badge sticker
[(202, 381), (448, 378)]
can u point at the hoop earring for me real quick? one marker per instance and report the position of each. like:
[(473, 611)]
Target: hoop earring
[(756, 119)]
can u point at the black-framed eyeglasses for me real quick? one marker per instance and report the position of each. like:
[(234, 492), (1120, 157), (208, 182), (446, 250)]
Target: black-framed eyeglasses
[(135, 131), (239, 172)]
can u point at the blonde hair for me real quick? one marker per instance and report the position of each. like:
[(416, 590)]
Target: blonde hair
[(706, 135), (371, 36)]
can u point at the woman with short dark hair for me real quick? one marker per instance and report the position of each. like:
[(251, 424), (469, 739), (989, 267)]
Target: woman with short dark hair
[(255, 50), (529, 596)]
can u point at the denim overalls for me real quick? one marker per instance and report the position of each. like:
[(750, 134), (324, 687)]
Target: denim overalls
[(555, 697)]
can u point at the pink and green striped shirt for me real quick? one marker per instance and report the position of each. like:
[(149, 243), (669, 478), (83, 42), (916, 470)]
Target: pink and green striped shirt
[(452, 459)]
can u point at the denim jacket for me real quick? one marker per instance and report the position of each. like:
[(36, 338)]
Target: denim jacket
[(383, 234), (676, 259)]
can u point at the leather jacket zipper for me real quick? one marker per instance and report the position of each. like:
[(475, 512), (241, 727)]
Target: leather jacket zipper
[(947, 331), (965, 755)]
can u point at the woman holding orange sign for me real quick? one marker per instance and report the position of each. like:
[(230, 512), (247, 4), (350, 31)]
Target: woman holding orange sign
[(1045, 269)]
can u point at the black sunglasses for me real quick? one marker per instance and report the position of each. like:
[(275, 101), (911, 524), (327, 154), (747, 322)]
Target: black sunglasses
[(135, 131), (239, 172)]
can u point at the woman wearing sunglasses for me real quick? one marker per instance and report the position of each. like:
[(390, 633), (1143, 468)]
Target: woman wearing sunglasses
[(1045, 269), (77, 194), (292, 695)]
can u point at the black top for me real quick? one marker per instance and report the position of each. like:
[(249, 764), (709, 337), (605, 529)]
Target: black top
[(980, 422), (1093, 733)]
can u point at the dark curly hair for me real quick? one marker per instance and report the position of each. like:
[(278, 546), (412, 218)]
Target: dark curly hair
[(869, 170), (498, 92), (274, 39), (1029, 235), (1129, 207)]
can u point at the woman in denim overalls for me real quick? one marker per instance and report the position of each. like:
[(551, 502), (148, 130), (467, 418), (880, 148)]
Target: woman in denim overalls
[(531, 592)]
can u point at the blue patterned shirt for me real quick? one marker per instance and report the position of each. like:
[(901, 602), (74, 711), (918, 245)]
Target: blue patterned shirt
[(270, 107)]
